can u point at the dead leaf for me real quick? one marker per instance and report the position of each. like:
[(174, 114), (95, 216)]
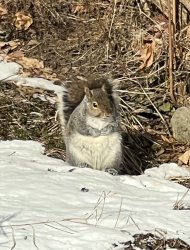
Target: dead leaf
[(33, 42), (16, 55), (8, 47), (168, 140), (12, 44), (76, 9), (31, 63), (147, 54), (185, 158), (27, 63), (22, 20), (3, 11)]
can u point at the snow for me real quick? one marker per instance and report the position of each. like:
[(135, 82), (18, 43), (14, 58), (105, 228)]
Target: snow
[(42, 83), (48, 205), (9, 71)]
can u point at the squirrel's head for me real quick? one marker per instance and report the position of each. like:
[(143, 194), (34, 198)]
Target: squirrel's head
[(99, 103)]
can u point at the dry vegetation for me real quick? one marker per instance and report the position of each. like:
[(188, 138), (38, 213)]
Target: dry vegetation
[(127, 40), (152, 242)]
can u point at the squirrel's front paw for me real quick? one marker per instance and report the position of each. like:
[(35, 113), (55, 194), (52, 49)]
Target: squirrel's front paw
[(84, 165), (111, 171)]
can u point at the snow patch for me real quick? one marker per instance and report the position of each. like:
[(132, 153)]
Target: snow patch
[(9, 71), (51, 205)]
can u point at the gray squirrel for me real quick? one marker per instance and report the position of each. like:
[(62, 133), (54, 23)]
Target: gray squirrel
[(89, 115)]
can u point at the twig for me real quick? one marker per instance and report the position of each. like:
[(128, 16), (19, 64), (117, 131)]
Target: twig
[(179, 203), (162, 118), (113, 16), (34, 237), (171, 51), (100, 199), (104, 199), (13, 237), (66, 227), (6, 78), (174, 16), (57, 228), (134, 92), (119, 212), (133, 222), (74, 220), (135, 118)]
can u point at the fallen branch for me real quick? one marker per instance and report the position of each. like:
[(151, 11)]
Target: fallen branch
[(171, 4)]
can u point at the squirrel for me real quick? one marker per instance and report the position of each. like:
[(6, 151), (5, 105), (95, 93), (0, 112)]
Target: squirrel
[(89, 115)]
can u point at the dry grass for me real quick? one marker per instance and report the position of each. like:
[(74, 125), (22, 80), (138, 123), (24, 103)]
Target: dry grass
[(26, 118)]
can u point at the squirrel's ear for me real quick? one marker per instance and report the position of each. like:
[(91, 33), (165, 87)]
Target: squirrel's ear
[(88, 92), (106, 87)]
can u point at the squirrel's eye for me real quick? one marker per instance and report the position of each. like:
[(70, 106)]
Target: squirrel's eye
[(95, 104)]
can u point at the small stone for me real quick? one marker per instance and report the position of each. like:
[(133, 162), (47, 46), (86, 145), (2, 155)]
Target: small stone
[(71, 170), (84, 189), (180, 123)]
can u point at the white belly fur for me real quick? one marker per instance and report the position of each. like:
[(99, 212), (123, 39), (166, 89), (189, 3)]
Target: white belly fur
[(98, 152)]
